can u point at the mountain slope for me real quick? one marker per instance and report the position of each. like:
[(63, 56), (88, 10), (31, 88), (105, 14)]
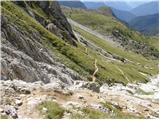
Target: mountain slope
[(108, 25), (57, 23), (123, 15), (146, 9), (74, 4), (146, 24), (93, 5), (136, 3), (73, 57), (24, 42), (105, 11), (120, 5)]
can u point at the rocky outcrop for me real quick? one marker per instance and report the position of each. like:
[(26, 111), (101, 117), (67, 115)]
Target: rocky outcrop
[(52, 14), (94, 86), (15, 102), (25, 57)]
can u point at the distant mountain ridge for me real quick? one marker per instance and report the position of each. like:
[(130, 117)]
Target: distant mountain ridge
[(146, 9), (120, 5), (146, 24), (94, 5), (143, 18), (72, 3), (137, 17), (123, 15)]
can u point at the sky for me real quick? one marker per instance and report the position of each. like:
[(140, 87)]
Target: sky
[(121, 0), (113, 0)]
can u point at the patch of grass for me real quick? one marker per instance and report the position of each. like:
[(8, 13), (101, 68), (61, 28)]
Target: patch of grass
[(104, 10), (76, 116), (91, 113), (54, 111), (116, 113), (112, 113), (39, 11), (3, 117)]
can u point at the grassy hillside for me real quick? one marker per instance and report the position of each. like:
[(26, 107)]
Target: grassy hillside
[(107, 24), (76, 57)]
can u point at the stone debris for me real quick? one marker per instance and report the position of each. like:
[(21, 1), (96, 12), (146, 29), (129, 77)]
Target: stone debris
[(71, 105), (11, 111), (1, 110), (18, 102), (99, 107), (76, 97), (94, 86), (80, 97)]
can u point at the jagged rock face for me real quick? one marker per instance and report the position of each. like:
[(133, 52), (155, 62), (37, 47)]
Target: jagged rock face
[(25, 57), (55, 15)]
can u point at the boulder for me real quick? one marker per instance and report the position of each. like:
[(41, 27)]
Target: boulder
[(18, 102), (80, 97), (11, 111), (1, 110), (94, 86), (99, 107), (71, 105), (104, 88)]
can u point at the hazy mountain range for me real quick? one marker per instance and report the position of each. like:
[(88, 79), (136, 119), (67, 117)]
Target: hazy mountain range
[(75, 4), (94, 5), (146, 9), (132, 13), (146, 24)]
